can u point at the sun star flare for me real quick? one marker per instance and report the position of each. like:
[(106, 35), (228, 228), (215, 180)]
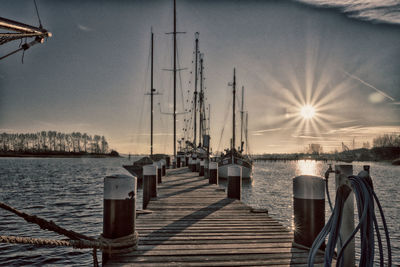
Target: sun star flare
[(307, 112)]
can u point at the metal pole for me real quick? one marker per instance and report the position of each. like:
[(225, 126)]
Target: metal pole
[(195, 89), (241, 121), (151, 95), (174, 79), (233, 109), (201, 101), (341, 174)]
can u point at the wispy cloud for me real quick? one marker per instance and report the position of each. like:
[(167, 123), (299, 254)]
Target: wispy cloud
[(266, 130), (84, 28), (307, 136), (344, 122), (369, 85), (362, 130), (154, 134)]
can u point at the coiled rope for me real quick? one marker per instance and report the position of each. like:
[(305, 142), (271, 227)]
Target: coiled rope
[(365, 196), (123, 244)]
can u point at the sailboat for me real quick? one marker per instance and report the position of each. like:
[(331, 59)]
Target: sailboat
[(198, 148), (233, 156), (136, 168)]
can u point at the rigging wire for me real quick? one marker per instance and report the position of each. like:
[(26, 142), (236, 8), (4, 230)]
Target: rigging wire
[(225, 123), (37, 13), (137, 128), (180, 77)]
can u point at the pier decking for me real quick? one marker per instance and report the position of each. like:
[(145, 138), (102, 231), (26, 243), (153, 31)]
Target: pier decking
[(193, 223)]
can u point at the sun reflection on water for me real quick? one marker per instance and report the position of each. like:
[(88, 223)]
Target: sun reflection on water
[(306, 167)]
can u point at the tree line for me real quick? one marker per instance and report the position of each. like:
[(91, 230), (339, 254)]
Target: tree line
[(53, 141), (387, 140)]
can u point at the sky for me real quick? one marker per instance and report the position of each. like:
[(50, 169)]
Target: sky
[(92, 75)]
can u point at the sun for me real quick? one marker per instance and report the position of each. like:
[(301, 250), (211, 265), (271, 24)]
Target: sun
[(307, 112)]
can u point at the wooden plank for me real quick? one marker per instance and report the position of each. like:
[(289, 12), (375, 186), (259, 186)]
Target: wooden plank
[(215, 246), (210, 258)]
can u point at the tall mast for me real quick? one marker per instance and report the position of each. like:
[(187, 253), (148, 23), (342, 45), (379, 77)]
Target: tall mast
[(201, 110), (209, 118), (175, 79), (151, 94), (195, 89), (241, 120), (233, 109)]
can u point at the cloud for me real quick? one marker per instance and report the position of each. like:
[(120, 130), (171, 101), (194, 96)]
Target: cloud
[(84, 28), (307, 136), (266, 130), (383, 94)]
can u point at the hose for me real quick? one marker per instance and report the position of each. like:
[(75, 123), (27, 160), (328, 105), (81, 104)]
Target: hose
[(368, 224)]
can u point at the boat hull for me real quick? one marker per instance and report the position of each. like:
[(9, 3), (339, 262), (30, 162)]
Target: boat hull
[(224, 164), (135, 171)]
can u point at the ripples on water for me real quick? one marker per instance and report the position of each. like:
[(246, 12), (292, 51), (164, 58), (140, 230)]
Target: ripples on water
[(70, 192)]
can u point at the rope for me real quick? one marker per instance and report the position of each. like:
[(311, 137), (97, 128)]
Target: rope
[(123, 244), (44, 224), (112, 246)]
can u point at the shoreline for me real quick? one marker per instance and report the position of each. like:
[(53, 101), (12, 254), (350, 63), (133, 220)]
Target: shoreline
[(61, 155)]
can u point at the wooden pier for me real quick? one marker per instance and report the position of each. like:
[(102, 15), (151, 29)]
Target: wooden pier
[(193, 223)]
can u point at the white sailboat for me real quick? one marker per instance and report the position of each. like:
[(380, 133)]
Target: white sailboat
[(233, 156)]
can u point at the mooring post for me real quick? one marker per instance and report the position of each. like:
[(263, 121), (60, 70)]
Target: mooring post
[(190, 164), (149, 183), (201, 171), (168, 161), (174, 163), (347, 227), (234, 182), (308, 208), (178, 161), (194, 160), (158, 164), (197, 166), (213, 173), (187, 160), (163, 171), (119, 210), (206, 167)]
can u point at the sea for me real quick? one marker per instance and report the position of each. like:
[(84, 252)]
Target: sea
[(69, 191)]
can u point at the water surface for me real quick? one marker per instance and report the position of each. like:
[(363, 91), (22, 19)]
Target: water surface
[(70, 192)]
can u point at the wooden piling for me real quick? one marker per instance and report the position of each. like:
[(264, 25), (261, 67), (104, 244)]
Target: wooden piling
[(213, 173), (119, 207), (178, 161), (234, 182), (347, 227), (149, 183), (163, 169), (201, 171), (308, 208), (206, 167), (158, 164), (197, 166)]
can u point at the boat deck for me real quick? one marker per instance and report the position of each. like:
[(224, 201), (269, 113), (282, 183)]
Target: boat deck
[(193, 223)]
